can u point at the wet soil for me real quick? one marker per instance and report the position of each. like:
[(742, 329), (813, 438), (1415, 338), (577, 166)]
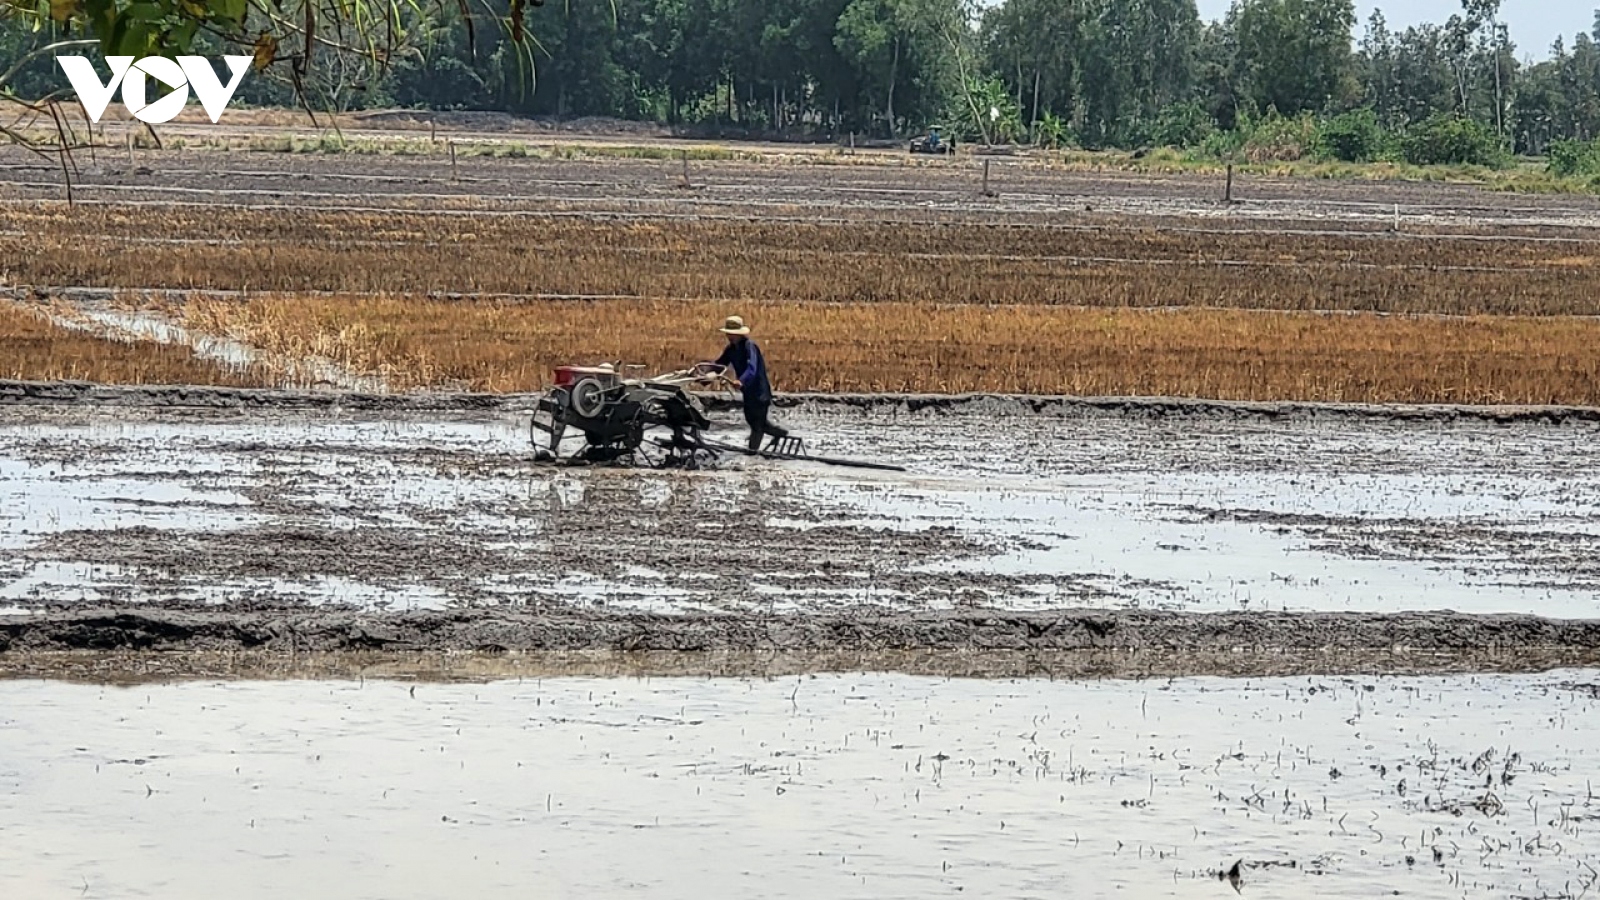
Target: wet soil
[(208, 520), (132, 667), (858, 630), (888, 188), (50, 394)]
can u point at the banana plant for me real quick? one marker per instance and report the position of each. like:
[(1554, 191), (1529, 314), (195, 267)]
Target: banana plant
[(1052, 132)]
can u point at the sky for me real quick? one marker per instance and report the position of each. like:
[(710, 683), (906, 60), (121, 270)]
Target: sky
[(1534, 24)]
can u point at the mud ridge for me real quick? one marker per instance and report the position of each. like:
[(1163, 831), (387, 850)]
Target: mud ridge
[(208, 397), (129, 667), (862, 629)]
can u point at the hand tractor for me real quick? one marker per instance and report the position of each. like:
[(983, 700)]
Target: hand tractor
[(615, 416)]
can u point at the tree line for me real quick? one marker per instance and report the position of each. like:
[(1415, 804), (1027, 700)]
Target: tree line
[(1272, 78)]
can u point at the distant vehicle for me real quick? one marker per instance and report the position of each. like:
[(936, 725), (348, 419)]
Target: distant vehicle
[(934, 144)]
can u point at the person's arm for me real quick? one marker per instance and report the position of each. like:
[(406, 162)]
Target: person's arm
[(751, 358), (720, 364)]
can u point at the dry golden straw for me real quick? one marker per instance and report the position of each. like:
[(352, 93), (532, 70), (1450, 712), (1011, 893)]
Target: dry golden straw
[(1118, 307), (34, 349), (1133, 264), (1221, 354)]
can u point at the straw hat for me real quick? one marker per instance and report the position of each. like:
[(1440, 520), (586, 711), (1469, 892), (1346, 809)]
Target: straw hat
[(735, 325)]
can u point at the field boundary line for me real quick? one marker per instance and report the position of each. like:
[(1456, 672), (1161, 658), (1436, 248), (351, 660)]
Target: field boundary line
[(495, 208), (26, 293), (1255, 633), (1068, 259)]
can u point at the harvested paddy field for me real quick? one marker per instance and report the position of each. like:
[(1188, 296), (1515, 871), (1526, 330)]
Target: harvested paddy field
[(1159, 647), (872, 276), (37, 347), (876, 275), (1118, 264)]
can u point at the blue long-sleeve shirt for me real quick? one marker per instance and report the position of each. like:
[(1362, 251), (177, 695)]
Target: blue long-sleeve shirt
[(750, 367)]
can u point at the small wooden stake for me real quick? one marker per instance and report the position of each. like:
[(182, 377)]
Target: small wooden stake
[(986, 191), (454, 175), (1227, 196), (66, 173)]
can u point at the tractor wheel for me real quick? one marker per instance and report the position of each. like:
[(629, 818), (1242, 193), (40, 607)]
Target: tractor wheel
[(588, 398), (552, 432), (651, 412)]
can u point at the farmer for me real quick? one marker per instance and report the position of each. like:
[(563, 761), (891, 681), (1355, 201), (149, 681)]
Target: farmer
[(743, 360)]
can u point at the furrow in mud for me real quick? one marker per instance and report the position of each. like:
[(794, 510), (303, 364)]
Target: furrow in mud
[(862, 630), (130, 667)]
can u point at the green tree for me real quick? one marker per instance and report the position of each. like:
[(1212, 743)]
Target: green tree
[(1354, 136), (1571, 158), (1137, 58), (291, 31), (900, 52), (1097, 72), (1185, 124), (1216, 66), (991, 113), (1034, 46), (361, 38), (870, 40), (1294, 55), (575, 58)]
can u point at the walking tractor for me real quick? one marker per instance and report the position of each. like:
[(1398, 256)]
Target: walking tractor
[(656, 421), (614, 414), (934, 144)]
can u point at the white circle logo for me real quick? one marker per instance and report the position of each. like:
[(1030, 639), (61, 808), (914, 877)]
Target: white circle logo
[(165, 71)]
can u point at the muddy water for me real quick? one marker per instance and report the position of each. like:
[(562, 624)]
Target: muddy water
[(405, 511), (854, 785)]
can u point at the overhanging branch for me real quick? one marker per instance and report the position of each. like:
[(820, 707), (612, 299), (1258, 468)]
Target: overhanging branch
[(34, 54)]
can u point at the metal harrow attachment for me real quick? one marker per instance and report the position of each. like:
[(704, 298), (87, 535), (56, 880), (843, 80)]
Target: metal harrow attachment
[(793, 448), (786, 446)]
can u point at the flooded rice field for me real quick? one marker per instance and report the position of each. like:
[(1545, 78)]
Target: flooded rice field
[(394, 511), (855, 785), (820, 746)]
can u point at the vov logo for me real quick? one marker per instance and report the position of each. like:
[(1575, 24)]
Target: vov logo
[(187, 72)]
